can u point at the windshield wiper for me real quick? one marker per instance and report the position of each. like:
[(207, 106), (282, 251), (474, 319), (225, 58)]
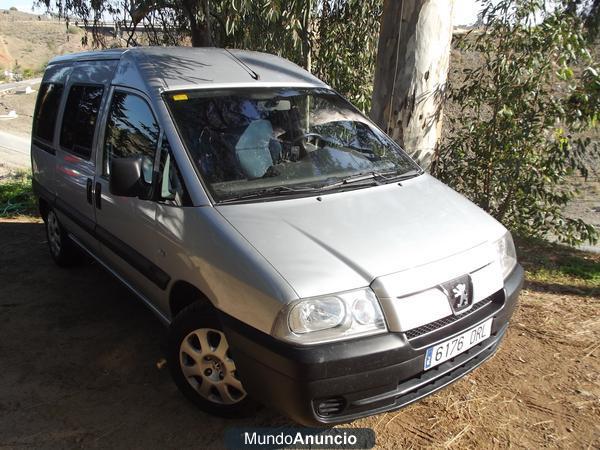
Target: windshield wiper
[(368, 177), (272, 191), (395, 176), (373, 177)]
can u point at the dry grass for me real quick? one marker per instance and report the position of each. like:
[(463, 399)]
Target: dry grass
[(43, 39)]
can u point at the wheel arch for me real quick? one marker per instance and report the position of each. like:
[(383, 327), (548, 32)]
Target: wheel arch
[(44, 208), (183, 294)]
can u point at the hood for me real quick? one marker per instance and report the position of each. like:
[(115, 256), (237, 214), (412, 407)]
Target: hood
[(346, 240)]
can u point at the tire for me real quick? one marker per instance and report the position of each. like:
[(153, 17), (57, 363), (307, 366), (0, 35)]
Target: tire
[(62, 249), (201, 366)]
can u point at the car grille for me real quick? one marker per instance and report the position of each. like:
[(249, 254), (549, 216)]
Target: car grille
[(432, 326)]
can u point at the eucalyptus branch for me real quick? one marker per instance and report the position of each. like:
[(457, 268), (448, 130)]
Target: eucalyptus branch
[(518, 141)]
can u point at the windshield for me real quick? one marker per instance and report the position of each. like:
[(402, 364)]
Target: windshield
[(252, 142)]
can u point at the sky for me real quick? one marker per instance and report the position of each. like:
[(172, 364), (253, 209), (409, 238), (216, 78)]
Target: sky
[(465, 11), (21, 5)]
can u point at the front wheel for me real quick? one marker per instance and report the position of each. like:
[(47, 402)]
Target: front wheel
[(201, 364)]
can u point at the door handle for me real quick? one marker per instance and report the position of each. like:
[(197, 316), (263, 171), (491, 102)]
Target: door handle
[(89, 190), (98, 195)]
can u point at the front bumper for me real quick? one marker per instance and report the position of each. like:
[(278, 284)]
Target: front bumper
[(343, 381)]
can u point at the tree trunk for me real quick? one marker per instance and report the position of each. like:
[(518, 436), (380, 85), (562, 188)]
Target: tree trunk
[(411, 72), (200, 35), (200, 32), (306, 35)]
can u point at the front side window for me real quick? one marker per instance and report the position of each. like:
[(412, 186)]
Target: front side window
[(131, 130), (250, 142), (46, 111), (79, 119)]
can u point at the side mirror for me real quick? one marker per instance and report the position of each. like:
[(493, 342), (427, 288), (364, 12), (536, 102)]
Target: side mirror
[(126, 179)]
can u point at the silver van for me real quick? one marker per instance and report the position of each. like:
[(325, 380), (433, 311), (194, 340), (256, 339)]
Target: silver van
[(298, 256)]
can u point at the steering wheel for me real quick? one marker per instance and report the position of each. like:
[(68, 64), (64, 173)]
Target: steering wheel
[(306, 138)]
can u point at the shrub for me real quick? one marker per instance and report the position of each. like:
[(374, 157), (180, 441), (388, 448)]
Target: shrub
[(16, 195), (523, 111)]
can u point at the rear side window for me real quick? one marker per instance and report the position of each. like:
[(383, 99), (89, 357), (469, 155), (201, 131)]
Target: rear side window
[(131, 130), (46, 111), (79, 119)]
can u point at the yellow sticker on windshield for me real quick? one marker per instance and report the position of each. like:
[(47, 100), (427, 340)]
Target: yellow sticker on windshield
[(179, 97)]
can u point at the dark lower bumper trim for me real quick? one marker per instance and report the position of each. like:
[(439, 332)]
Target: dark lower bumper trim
[(469, 359), (415, 389)]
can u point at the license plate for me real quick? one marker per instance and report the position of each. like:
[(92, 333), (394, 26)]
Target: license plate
[(449, 349)]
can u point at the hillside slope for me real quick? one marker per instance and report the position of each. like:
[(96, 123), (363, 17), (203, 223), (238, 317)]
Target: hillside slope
[(32, 40)]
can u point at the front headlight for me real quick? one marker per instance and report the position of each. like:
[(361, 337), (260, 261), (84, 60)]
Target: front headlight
[(330, 318), (507, 254)]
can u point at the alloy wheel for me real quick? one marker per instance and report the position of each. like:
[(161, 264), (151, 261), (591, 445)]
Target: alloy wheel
[(208, 367), (54, 233)]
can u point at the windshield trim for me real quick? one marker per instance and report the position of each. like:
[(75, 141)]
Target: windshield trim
[(243, 85), (208, 189)]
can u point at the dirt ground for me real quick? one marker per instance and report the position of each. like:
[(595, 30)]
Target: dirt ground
[(79, 369), (587, 204)]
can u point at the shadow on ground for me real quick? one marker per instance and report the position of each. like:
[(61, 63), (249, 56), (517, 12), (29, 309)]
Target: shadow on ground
[(559, 269), (79, 356)]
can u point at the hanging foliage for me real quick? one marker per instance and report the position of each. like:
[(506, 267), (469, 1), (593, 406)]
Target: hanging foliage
[(346, 46), (335, 39)]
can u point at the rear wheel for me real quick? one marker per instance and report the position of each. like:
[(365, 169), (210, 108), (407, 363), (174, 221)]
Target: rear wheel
[(63, 250), (201, 364)]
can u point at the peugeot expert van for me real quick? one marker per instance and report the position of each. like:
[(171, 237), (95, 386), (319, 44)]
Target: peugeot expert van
[(298, 256)]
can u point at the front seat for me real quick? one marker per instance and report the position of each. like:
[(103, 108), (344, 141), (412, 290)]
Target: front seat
[(252, 149)]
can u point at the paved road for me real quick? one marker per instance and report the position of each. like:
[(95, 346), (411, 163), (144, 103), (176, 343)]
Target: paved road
[(15, 151), (19, 84)]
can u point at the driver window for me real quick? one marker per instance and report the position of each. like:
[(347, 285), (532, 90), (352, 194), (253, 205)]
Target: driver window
[(131, 130)]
